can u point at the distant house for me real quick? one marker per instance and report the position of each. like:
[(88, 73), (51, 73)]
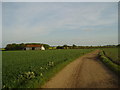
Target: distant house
[(34, 47)]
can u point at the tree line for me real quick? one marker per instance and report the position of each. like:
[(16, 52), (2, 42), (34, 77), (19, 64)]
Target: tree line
[(85, 47), (21, 46)]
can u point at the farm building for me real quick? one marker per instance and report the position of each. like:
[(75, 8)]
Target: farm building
[(34, 47)]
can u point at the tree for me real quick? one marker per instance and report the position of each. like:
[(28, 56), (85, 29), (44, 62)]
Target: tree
[(118, 45), (60, 47), (46, 46), (74, 46), (65, 46), (22, 46), (15, 46)]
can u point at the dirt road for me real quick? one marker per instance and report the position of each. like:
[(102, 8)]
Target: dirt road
[(85, 72)]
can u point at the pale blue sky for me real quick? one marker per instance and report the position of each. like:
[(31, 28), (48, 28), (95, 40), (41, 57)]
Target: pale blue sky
[(62, 23), (0, 24)]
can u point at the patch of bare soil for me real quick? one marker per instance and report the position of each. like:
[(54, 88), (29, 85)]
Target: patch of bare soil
[(85, 72)]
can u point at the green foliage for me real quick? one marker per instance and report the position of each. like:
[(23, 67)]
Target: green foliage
[(0, 69), (21, 46), (114, 67), (53, 47), (118, 45), (15, 46), (2, 49), (60, 47), (30, 69), (74, 45), (65, 46), (112, 53), (46, 46)]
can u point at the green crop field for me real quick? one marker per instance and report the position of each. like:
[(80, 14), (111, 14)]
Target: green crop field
[(30, 69), (0, 69), (112, 53)]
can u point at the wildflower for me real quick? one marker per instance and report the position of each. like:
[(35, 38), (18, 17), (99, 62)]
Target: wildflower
[(3, 86), (28, 73), (41, 74), (49, 63), (21, 76), (52, 63), (32, 72), (41, 68)]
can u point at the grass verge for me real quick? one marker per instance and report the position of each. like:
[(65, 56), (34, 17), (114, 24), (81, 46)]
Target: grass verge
[(54, 72), (114, 67)]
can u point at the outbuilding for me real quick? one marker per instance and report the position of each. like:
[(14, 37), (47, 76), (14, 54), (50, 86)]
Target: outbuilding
[(34, 47)]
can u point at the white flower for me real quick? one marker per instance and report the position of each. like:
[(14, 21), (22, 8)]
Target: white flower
[(41, 68), (3, 86), (41, 74), (28, 72), (32, 73)]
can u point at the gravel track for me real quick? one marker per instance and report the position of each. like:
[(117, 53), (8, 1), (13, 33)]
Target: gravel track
[(85, 72)]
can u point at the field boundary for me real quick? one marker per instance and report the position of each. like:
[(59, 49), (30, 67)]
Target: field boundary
[(116, 62), (109, 63)]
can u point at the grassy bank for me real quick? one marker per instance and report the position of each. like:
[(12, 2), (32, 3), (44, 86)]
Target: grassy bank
[(112, 54), (31, 69), (113, 66)]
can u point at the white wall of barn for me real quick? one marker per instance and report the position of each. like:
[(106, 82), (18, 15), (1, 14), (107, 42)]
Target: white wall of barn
[(42, 48), (36, 48), (28, 48)]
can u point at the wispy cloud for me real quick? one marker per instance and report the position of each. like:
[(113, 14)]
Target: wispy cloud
[(38, 21)]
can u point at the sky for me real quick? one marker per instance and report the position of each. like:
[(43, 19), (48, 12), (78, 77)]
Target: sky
[(0, 25), (60, 0), (59, 23)]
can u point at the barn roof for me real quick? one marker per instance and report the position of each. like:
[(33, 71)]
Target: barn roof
[(33, 45)]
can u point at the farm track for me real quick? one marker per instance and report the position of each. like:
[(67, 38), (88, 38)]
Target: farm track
[(85, 72)]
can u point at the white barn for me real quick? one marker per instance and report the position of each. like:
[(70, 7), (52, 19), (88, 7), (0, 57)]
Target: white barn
[(34, 47)]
